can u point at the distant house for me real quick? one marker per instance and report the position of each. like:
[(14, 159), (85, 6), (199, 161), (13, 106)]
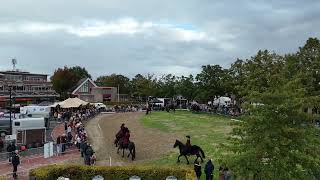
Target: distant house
[(88, 91)]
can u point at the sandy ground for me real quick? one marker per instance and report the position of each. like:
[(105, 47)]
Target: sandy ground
[(150, 143)]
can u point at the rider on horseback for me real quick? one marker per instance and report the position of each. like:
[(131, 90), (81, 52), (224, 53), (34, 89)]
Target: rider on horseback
[(188, 145), (122, 131), (126, 138)]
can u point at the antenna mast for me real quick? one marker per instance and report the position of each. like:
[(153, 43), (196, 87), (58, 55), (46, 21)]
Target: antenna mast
[(14, 62)]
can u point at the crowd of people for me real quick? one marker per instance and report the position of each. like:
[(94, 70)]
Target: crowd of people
[(224, 172), (74, 132)]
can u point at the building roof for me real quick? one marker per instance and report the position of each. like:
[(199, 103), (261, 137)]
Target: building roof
[(81, 83), (21, 73)]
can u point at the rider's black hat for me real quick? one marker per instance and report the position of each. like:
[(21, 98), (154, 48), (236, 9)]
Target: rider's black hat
[(188, 137), (122, 124)]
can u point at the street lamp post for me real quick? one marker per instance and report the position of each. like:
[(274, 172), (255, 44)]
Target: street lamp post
[(10, 111)]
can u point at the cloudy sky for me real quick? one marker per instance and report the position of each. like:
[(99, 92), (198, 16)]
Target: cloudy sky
[(147, 36)]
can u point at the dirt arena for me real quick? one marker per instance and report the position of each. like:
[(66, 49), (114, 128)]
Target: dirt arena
[(150, 143)]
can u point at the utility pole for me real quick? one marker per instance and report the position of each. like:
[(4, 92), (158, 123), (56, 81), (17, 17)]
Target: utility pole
[(118, 93), (10, 98)]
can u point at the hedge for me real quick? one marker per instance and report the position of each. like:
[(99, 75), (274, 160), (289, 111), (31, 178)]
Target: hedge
[(76, 172)]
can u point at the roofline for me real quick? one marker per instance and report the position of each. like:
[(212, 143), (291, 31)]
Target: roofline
[(88, 79), (101, 87), (24, 73)]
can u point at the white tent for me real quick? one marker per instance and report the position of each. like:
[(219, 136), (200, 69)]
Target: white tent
[(72, 103)]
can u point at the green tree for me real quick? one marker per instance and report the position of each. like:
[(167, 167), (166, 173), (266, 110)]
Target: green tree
[(63, 80), (115, 80), (212, 81), (186, 87), (144, 86), (167, 85), (276, 140), (79, 72)]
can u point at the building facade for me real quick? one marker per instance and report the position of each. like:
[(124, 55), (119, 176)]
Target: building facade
[(88, 91), (27, 88)]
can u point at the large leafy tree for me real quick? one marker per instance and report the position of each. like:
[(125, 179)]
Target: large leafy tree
[(144, 86), (186, 87), (276, 139), (63, 80), (79, 72), (212, 81), (167, 86), (115, 80)]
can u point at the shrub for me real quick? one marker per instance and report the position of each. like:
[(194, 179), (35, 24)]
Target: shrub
[(76, 172)]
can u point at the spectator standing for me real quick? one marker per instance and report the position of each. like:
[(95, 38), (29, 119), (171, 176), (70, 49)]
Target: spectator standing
[(15, 163), (227, 174), (88, 154), (209, 170), (1, 144), (221, 173), (83, 147), (10, 150), (78, 140), (197, 169), (63, 142), (65, 126), (58, 145)]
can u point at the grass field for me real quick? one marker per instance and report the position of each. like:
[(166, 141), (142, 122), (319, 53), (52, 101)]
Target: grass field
[(206, 131)]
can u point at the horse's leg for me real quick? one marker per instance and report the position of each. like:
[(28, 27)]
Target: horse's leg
[(197, 158), (118, 149), (187, 159), (179, 158), (129, 152), (123, 152), (201, 158)]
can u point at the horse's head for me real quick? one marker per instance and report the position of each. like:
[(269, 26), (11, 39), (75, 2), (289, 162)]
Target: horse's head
[(177, 143)]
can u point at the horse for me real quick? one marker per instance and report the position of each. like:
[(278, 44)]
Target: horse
[(119, 135), (195, 150), (131, 147)]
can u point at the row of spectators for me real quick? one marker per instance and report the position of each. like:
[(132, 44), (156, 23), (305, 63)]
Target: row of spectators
[(74, 132)]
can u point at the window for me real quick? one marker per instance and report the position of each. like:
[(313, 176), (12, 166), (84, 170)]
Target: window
[(84, 87), (16, 123)]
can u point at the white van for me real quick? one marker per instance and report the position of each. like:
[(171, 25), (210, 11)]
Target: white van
[(36, 111)]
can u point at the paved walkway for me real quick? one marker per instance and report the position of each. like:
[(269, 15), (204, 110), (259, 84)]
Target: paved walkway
[(31, 162)]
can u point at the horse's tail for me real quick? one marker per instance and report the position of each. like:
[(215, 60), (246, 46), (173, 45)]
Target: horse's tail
[(133, 151), (202, 153)]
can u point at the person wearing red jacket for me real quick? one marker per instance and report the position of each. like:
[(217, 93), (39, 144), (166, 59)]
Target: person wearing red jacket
[(126, 139)]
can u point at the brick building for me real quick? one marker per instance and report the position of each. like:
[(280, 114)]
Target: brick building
[(26, 88), (88, 91)]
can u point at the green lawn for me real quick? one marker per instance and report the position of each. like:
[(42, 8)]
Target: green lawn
[(206, 131)]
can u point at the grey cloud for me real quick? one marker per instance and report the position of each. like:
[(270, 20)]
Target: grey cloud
[(235, 28)]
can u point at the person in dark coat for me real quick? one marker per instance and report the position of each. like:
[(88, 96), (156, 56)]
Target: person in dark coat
[(88, 154), (10, 149), (63, 141), (208, 170), (15, 163), (197, 169), (1, 144), (83, 148)]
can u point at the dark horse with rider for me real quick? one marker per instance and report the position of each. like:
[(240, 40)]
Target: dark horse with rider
[(188, 150), (123, 142)]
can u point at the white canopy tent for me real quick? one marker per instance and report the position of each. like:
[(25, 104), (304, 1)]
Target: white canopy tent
[(72, 103)]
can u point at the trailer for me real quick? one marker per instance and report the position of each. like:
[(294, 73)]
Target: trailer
[(29, 131)]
